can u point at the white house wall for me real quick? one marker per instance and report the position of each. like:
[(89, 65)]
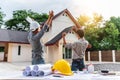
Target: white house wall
[(54, 54), (58, 24), (25, 54)]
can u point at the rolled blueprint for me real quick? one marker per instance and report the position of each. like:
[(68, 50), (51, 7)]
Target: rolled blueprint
[(26, 73), (34, 73), (38, 70), (44, 72), (42, 67), (29, 68)]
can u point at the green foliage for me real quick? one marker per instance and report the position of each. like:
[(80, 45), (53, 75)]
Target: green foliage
[(19, 19), (112, 35), (92, 35), (115, 21), (1, 17), (105, 37)]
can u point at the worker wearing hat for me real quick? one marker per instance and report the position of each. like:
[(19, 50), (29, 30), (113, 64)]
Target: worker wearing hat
[(34, 37)]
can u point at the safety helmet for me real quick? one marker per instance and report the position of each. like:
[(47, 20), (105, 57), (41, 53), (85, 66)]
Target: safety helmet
[(33, 24), (63, 67)]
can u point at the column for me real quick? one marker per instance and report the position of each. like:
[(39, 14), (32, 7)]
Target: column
[(100, 60), (88, 56), (113, 55)]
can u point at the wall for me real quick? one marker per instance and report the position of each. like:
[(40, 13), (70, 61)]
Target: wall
[(1, 56), (54, 53), (25, 54), (58, 24), (10, 52)]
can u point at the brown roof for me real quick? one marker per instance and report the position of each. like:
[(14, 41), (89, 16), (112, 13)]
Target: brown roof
[(57, 37), (11, 36)]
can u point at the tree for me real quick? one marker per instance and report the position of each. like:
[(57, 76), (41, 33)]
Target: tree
[(104, 38), (18, 22), (115, 21), (112, 33), (97, 20), (92, 29), (1, 17), (102, 35), (83, 20), (94, 22)]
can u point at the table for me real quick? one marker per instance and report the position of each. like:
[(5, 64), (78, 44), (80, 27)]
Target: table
[(76, 76)]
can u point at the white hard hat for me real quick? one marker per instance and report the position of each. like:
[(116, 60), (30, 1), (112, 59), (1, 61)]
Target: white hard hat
[(34, 25), (29, 19)]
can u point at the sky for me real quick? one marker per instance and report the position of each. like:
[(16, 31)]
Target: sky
[(106, 8)]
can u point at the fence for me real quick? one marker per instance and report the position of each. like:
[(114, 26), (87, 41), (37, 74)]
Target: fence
[(103, 56)]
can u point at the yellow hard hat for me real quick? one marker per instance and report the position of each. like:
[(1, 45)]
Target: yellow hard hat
[(63, 67)]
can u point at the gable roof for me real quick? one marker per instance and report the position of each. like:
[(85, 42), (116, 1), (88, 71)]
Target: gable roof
[(59, 36), (11, 36), (70, 15)]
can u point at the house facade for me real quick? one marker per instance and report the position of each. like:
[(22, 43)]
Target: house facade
[(62, 22), (17, 47), (19, 52)]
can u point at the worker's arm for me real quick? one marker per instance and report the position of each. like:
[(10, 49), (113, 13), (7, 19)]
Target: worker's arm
[(49, 20), (45, 26)]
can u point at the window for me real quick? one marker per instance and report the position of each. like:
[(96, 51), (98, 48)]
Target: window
[(64, 14), (67, 53), (19, 50), (1, 49)]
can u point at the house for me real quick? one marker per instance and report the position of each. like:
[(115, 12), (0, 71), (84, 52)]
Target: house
[(62, 22), (17, 47)]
